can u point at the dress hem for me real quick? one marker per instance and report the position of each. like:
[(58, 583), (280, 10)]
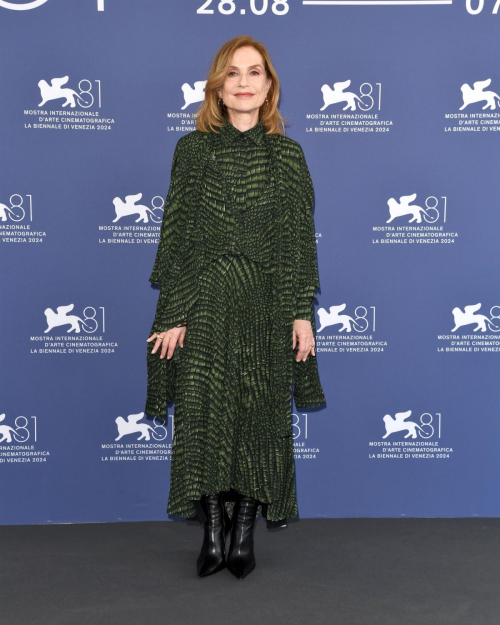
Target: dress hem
[(270, 524)]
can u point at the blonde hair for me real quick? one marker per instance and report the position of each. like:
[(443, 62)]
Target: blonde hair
[(210, 115)]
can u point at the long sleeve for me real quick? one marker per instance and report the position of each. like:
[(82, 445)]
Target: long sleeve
[(308, 392), (171, 306), (307, 274)]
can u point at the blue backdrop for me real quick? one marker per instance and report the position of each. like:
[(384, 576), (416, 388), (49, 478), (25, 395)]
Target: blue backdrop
[(397, 108)]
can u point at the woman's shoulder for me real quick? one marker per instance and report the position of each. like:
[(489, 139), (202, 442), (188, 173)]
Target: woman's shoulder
[(290, 148), (190, 141), (291, 155), (189, 149)]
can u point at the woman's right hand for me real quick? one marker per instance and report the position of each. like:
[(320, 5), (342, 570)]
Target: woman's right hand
[(170, 339)]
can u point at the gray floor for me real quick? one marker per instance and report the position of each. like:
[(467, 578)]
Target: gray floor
[(335, 571)]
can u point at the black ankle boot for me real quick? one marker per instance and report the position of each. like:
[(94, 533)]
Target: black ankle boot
[(212, 556), (241, 559)]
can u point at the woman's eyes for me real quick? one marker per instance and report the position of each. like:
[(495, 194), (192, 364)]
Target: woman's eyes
[(254, 71)]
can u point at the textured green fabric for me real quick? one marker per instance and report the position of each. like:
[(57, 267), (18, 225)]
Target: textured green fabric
[(236, 262)]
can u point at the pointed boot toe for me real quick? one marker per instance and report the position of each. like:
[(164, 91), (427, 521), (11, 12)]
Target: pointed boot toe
[(241, 558)]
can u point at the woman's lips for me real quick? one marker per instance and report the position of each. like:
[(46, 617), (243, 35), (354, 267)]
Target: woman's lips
[(244, 95)]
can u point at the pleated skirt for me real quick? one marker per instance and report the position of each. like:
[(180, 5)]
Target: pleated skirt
[(223, 439)]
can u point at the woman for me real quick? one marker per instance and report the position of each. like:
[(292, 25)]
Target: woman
[(237, 270)]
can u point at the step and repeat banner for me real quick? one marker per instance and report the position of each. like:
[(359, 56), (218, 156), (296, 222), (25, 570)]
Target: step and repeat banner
[(397, 107)]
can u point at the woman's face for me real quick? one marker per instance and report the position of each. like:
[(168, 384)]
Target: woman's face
[(246, 85)]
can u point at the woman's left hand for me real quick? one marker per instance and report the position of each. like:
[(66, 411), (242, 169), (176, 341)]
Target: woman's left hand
[(302, 332)]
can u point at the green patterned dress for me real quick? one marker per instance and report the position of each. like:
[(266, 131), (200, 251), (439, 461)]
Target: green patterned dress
[(224, 438)]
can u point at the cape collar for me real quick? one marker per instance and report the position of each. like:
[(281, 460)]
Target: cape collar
[(229, 134)]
